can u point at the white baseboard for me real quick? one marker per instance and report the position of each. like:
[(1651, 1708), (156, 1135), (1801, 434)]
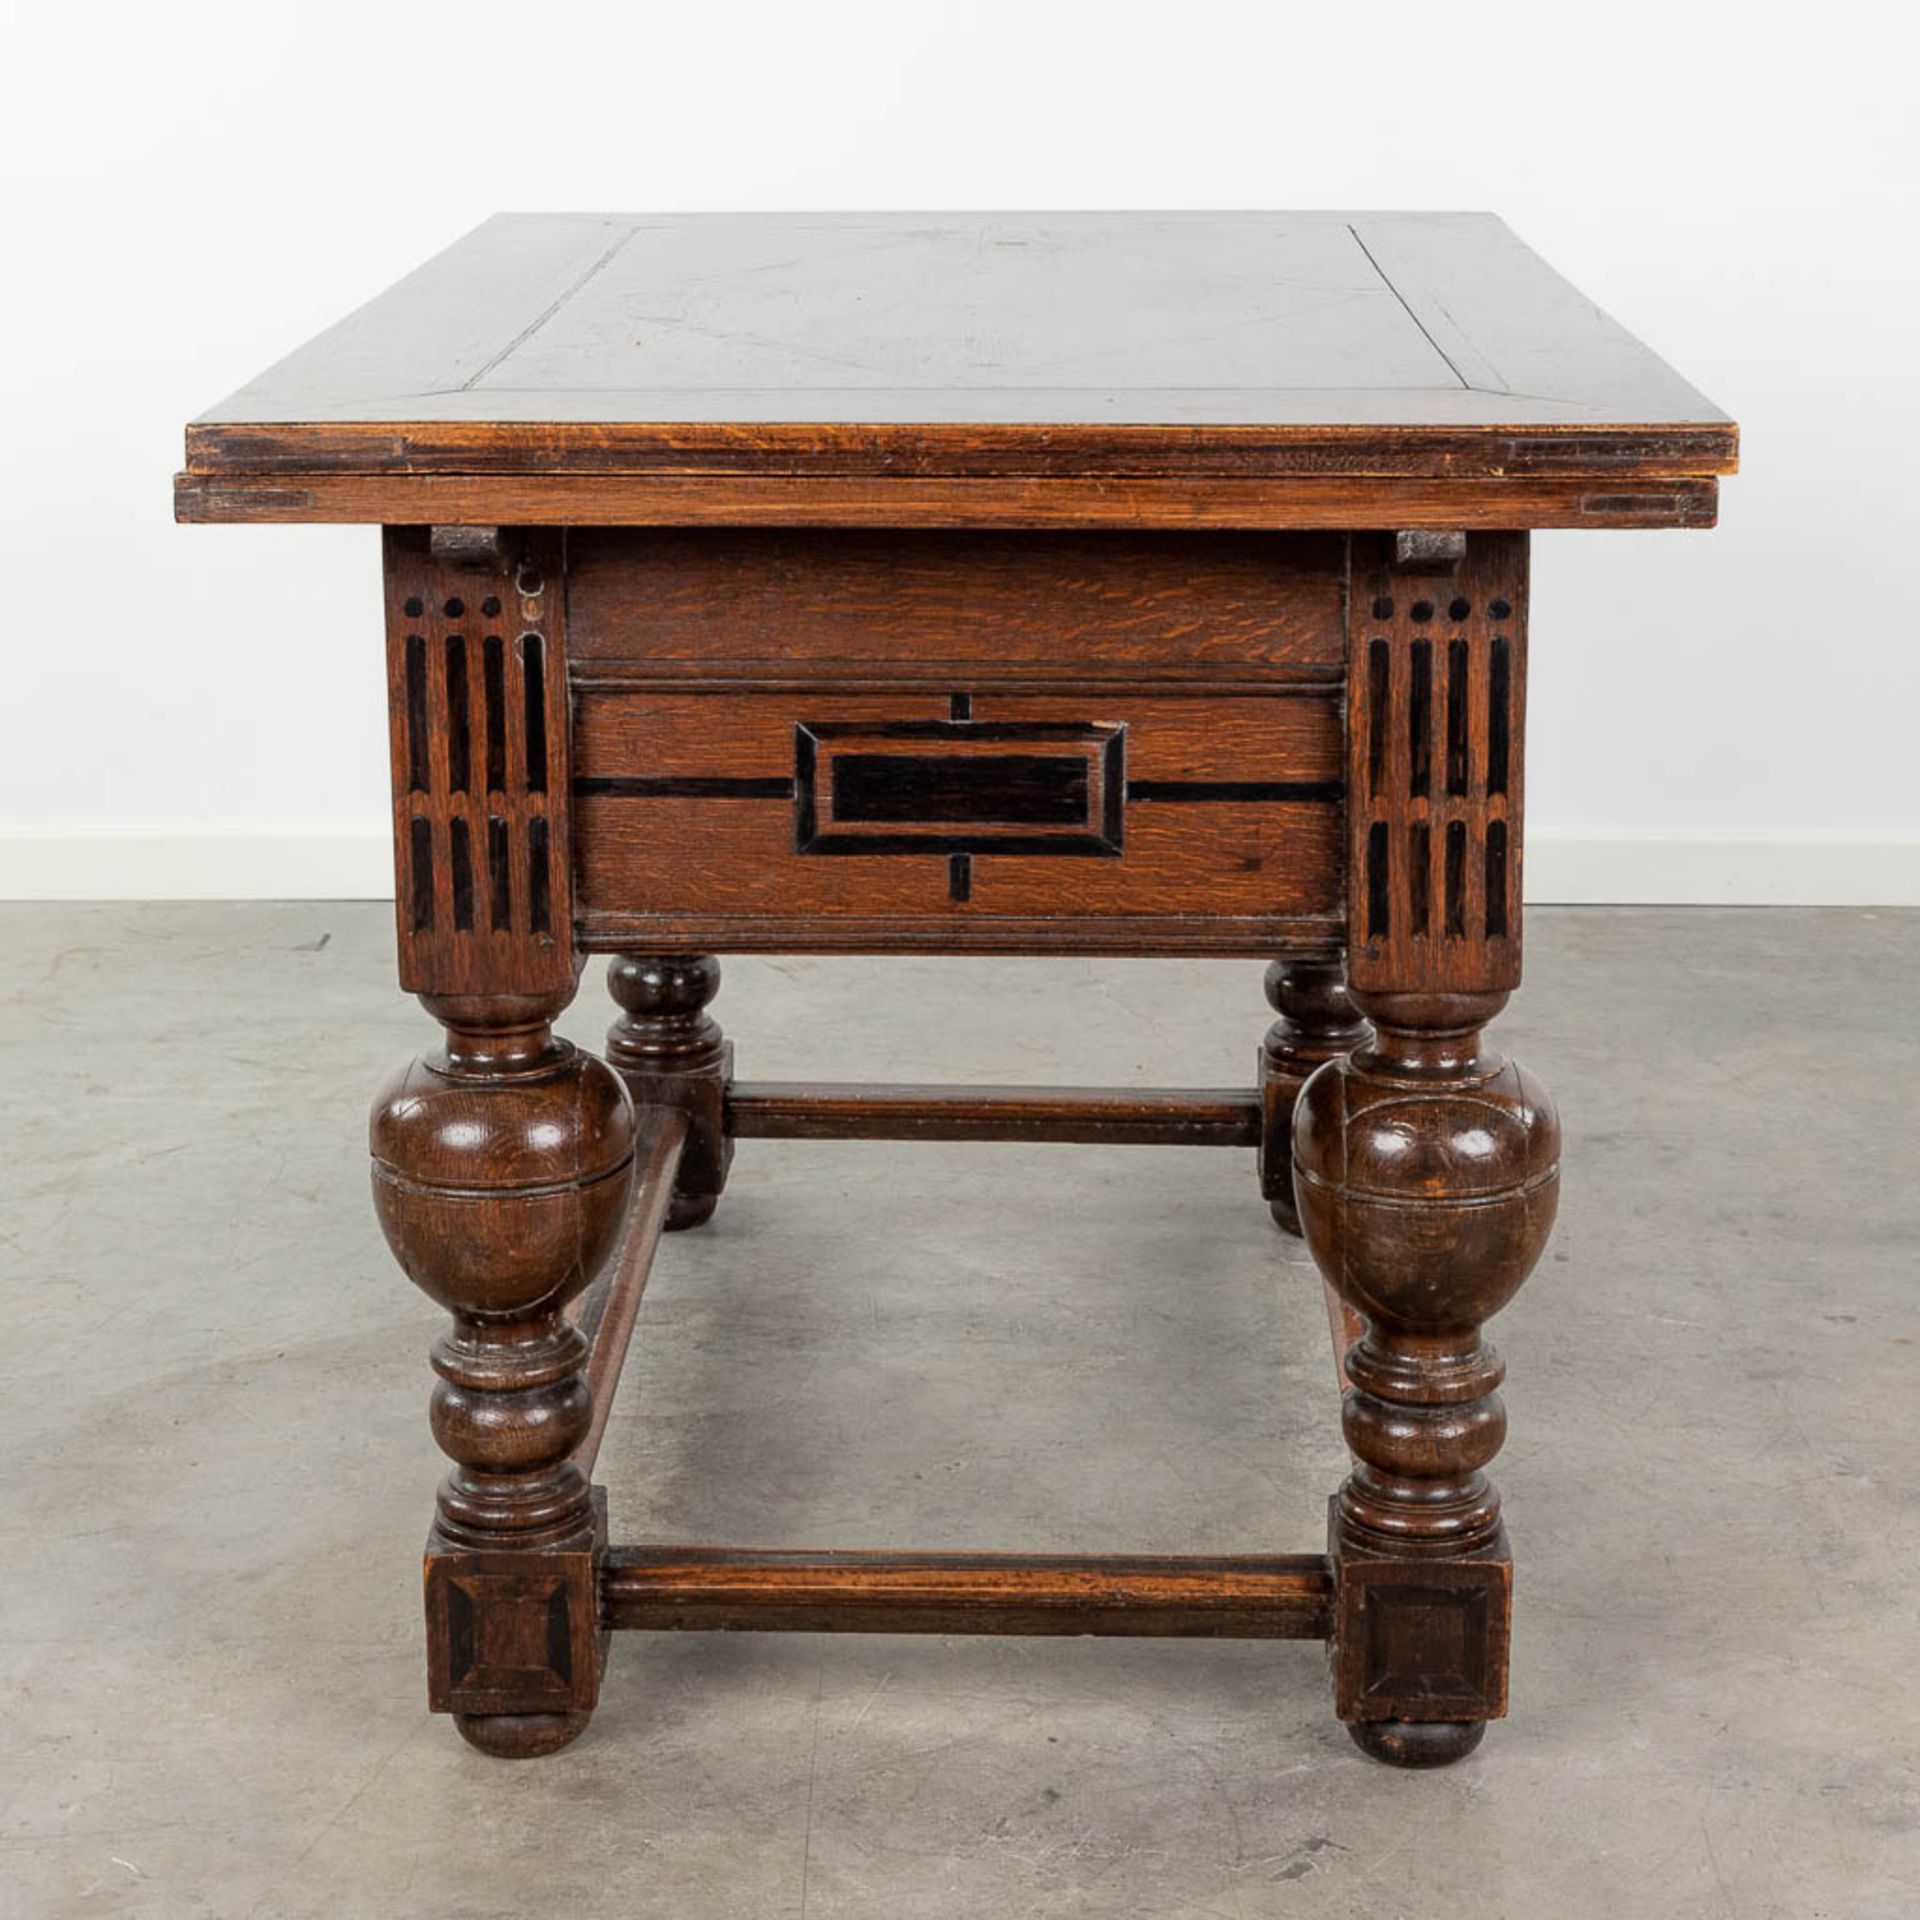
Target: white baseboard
[(196, 866), (1560, 871), (1680, 872)]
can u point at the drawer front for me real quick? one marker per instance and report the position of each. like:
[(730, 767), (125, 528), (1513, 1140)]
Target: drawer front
[(1002, 820)]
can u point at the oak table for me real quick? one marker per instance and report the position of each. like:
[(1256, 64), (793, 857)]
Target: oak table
[(1087, 583)]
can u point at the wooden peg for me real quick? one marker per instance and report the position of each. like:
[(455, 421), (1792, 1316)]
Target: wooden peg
[(469, 549), (1420, 549)]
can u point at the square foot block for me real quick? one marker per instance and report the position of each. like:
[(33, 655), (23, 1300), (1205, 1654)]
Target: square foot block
[(514, 1632), (1421, 1638)]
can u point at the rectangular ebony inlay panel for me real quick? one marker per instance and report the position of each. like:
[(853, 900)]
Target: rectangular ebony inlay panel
[(987, 789), (959, 787)]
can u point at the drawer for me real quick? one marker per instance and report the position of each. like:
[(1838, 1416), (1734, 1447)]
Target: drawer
[(956, 608), (1005, 820)]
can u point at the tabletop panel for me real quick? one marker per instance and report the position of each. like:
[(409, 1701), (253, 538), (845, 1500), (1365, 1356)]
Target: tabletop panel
[(1019, 318), (1185, 345)]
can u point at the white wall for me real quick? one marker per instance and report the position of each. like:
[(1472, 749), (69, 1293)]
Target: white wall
[(192, 190)]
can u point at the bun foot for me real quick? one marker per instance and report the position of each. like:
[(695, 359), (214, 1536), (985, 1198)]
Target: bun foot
[(1417, 1743), (1286, 1216), (686, 1210), (520, 1736)]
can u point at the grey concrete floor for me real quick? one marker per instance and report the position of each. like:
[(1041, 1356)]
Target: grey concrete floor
[(215, 1471)]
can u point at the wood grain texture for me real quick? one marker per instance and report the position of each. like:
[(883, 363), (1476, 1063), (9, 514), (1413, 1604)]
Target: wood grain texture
[(1003, 370), (1436, 703), (1080, 1116), (634, 330), (1357, 449), (692, 805), (1182, 736), (1315, 1022), (718, 857), (1426, 1172), (502, 1166), (1173, 734), (1617, 497), (1278, 1597), (671, 1053), (675, 603), (620, 929), (606, 1312), (477, 706)]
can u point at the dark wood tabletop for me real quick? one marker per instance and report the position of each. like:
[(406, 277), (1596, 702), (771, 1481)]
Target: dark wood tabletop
[(829, 357)]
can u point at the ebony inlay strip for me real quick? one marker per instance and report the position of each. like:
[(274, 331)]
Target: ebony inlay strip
[(1113, 789), (1239, 1597), (539, 877), (1420, 719), (1073, 1116), (559, 1648), (533, 668), (1379, 662), (850, 786), (418, 765), (460, 861), (1456, 877), (974, 790), (1231, 790), (494, 677), (420, 871), (1379, 881), (958, 731), (499, 874), (1499, 716), (459, 716), (1456, 716), (717, 786), (1496, 879), (1093, 846), (463, 1639)]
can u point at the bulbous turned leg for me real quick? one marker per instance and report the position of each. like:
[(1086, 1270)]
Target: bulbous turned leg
[(1427, 1169), (671, 1053), (502, 1167), (1317, 1023)]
